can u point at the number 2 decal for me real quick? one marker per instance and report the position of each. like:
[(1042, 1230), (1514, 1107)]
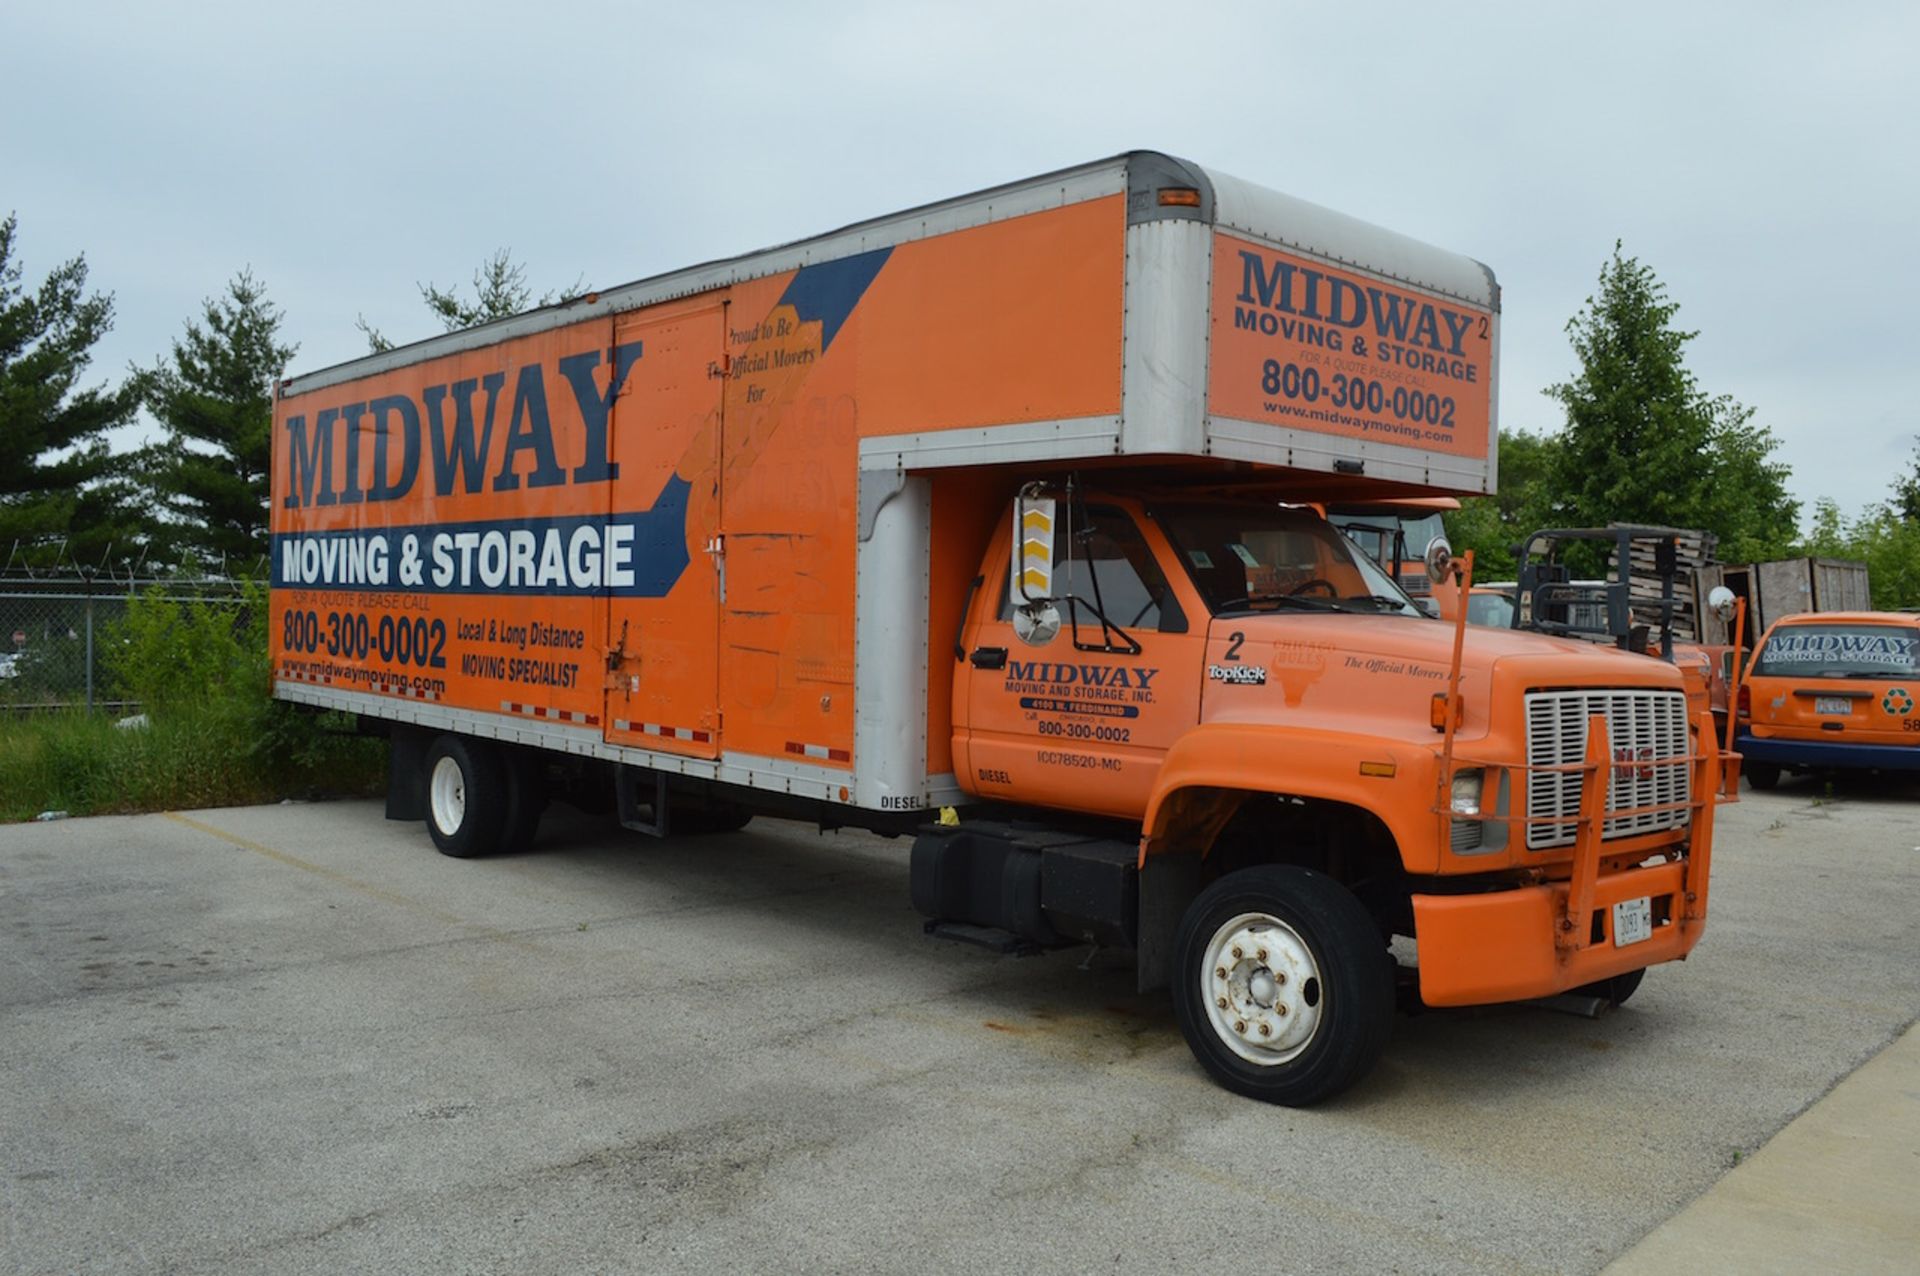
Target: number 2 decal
[(1233, 649)]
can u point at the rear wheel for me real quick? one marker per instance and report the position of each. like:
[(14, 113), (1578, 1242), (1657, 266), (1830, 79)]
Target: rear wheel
[(466, 796), (1283, 988), (1763, 776)]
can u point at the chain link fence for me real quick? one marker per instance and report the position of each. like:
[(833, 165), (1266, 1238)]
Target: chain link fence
[(59, 630)]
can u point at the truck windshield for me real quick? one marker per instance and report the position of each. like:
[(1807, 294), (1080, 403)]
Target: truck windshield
[(1269, 557), (1840, 651), (1491, 609)]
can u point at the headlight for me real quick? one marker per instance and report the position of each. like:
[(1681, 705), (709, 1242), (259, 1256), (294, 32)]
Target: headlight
[(1467, 835), (1466, 791)]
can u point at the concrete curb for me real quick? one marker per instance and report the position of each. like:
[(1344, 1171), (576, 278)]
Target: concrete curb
[(1833, 1191)]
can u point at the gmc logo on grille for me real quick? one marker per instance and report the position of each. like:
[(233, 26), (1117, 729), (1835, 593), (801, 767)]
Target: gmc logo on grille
[(1633, 762)]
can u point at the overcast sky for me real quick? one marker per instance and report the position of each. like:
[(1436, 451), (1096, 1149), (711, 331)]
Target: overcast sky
[(1762, 164)]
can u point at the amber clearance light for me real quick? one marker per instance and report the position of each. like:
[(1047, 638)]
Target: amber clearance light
[(1179, 197)]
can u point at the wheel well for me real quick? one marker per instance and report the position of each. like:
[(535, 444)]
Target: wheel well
[(1209, 832), (1348, 843)]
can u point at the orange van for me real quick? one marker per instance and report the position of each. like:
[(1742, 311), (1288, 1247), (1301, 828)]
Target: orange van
[(1832, 691)]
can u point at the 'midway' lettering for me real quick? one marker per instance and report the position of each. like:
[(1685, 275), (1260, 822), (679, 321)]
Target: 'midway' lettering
[(1065, 675), (462, 452), (1323, 298)]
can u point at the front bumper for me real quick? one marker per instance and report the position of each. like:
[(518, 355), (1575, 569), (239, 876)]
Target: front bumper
[(1479, 949), (1813, 755)]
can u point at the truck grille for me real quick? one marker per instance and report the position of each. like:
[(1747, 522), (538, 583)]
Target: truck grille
[(1641, 725)]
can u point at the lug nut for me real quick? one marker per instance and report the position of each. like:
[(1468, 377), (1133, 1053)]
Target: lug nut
[(1220, 1002), (1266, 1030), (1237, 953), (1262, 954), (1240, 1025), (1219, 972), (1279, 1008), (1279, 976)]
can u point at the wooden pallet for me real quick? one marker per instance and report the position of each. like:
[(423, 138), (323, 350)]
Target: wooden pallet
[(1698, 574)]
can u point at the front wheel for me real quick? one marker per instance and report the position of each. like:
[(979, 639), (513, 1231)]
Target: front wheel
[(1284, 988)]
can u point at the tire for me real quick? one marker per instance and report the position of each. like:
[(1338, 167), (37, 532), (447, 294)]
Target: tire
[(1762, 776), (526, 799), (1310, 968), (466, 796), (1614, 990)]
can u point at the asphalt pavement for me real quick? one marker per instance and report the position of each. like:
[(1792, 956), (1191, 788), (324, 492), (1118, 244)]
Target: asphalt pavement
[(294, 1038)]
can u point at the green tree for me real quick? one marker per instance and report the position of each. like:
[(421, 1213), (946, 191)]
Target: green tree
[(59, 483), (214, 395), (1491, 526), (1644, 444), (1906, 491), (500, 290)]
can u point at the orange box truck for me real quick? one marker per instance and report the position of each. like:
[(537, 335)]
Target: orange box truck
[(994, 522)]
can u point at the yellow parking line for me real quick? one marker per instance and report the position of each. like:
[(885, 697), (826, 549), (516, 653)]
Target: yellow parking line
[(350, 883)]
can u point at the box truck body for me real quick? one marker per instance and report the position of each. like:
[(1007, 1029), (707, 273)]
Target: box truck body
[(741, 538)]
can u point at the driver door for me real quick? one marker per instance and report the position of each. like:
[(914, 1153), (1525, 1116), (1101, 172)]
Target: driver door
[(1081, 717)]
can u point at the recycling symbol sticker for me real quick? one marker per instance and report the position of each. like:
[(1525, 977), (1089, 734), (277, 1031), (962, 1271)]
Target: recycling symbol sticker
[(1897, 702)]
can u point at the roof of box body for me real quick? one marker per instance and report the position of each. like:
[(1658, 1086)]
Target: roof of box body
[(1226, 202)]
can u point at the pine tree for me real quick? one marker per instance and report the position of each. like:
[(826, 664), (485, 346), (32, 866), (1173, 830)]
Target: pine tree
[(1644, 444), (214, 395), (60, 487)]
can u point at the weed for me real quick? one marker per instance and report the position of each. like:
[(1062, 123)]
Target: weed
[(213, 736)]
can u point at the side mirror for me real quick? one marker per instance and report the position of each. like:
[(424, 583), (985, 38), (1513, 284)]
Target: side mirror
[(1439, 558), (1036, 624), (1033, 522), (1036, 620), (1720, 602)]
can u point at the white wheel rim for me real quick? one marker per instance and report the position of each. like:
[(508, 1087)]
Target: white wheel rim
[(448, 796), (1262, 988)]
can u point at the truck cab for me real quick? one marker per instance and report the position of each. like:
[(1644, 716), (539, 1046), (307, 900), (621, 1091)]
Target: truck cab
[(1275, 764)]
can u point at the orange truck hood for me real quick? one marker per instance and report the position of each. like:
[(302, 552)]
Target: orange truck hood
[(1378, 674)]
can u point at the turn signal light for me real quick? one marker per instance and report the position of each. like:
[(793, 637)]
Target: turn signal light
[(1437, 711), (1744, 704)]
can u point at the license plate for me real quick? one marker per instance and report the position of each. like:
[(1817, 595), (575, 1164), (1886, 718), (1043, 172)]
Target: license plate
[(1632, 921), (1833, 704)]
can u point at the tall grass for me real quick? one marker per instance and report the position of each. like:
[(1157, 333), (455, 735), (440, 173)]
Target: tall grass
[(213, 737)]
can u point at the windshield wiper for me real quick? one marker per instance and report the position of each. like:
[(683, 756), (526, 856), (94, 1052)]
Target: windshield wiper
[(1304, 602), (1379, 600)]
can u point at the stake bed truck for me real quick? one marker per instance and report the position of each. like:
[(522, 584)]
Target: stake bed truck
[(993, 522)]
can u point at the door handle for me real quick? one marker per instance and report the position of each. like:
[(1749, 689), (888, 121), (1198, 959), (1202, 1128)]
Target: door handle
[(989, 657)]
